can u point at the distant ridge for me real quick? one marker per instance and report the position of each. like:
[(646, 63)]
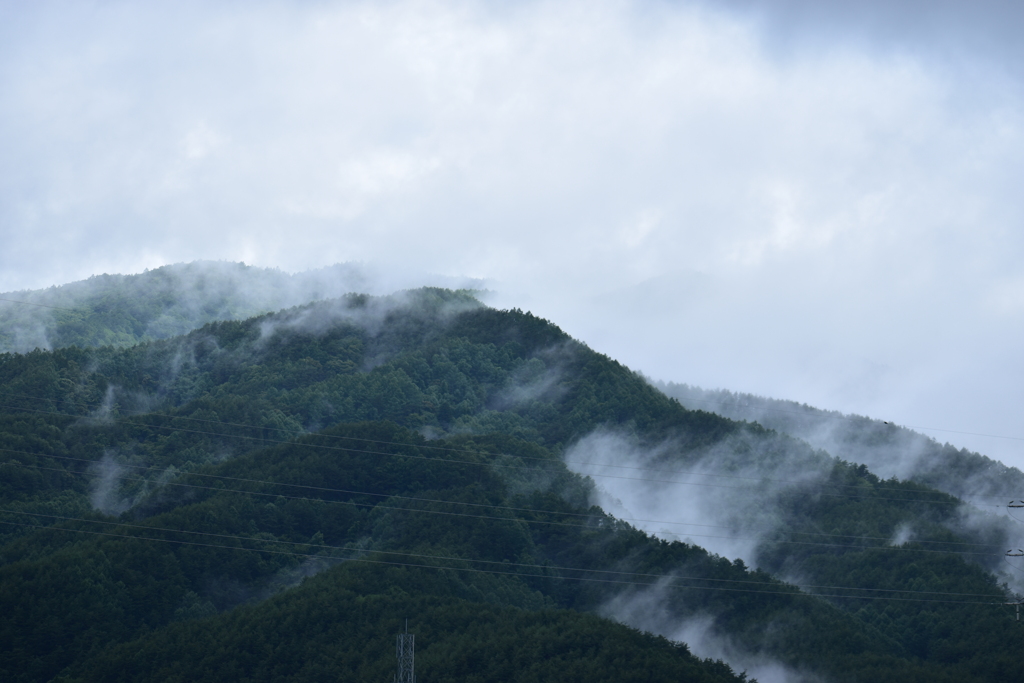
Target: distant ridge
[(887, 449), (124, 310)]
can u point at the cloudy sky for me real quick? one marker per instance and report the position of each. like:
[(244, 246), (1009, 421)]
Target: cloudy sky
[(807, 200)]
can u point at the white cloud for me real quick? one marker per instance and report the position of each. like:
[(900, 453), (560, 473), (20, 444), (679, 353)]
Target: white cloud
[(200, 141), (711, 196)]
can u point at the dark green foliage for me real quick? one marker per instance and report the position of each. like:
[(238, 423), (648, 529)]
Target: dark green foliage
[(341, 625), (423, 433)]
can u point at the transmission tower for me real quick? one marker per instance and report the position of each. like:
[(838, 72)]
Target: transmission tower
[(406, 655), (1019, 552), (1017, 605)]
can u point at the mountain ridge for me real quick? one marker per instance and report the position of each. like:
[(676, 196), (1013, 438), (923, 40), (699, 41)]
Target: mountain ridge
[(123, 310), (297, 429), (888, 449)]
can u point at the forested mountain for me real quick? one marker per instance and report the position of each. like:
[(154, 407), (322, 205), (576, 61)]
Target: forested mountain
[(123, 310), (887, 449), (271, 498)]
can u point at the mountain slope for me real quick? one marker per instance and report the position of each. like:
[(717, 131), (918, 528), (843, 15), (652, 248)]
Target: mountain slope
[(887, 449), (428, 426), (342, 625)]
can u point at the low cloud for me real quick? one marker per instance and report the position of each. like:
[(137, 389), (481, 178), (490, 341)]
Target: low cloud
[(725, 498), (175, 299), (105, 489), (735, 498), (536, 379), (807, 200), (645, 609)]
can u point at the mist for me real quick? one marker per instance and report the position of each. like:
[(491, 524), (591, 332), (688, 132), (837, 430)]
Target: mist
[(369, 313), (737, 498), (104, 491), (889, 450), (173, 300), (645, 610), (725, 498), (728, 498), (119, 481), (744, 499)]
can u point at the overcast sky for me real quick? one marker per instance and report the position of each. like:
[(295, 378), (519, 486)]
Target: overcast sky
[(806, 200)]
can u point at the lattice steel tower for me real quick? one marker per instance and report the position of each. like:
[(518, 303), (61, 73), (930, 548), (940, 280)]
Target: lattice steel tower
[(406, 655)]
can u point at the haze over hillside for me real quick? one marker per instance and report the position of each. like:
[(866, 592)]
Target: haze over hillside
[(123, 310), (340, 463), (888, 449), (467, 272)]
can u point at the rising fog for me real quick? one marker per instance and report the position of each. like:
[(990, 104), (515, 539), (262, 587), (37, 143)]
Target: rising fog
[(720, 498), (645, 610), (888, 449), (736, 499), (730, 499)]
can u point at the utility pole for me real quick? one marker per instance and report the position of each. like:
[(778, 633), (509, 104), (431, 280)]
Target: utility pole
[(406, 655)]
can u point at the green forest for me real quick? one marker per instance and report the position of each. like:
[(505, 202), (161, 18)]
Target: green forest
[(272, 498)]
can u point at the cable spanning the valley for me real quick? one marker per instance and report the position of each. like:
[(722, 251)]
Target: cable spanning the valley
[(218, 489), (263, 440), (657, 580), (496, 460), (425, 445), (29, 303)]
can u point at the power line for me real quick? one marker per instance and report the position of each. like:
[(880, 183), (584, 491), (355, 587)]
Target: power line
[(491, 464), (29, 303), (464, 559), (430, 446), (540, 521), (451, 502), (661, 577), (559, 523), (379, 453)]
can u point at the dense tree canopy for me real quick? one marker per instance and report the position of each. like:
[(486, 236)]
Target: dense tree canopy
[(269, 498)]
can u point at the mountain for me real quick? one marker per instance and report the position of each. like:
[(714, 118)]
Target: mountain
[(272, 497), (886, 448), (123, 310)]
